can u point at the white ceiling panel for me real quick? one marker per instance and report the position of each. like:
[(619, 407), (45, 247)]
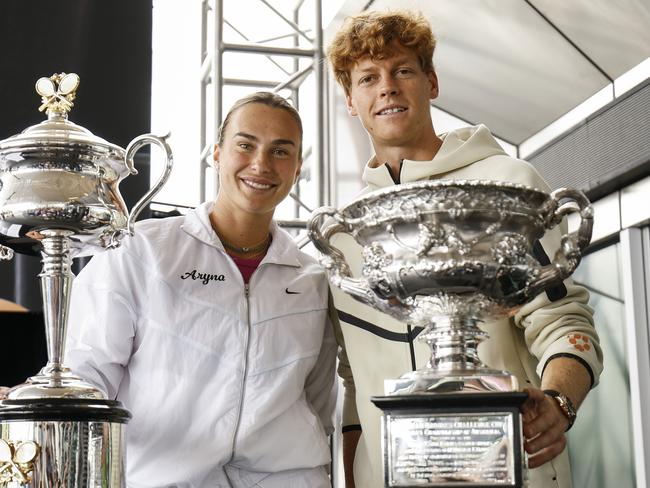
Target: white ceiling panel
[(614, 34)]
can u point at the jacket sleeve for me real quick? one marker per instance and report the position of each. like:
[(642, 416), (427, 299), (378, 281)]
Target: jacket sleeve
[(321, 387), (101, 325)]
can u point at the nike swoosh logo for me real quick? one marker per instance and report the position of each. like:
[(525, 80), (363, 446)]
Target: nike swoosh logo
[(291, 292)]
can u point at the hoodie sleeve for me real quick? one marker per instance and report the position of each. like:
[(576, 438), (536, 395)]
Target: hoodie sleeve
[(558, 322), (350, 416)]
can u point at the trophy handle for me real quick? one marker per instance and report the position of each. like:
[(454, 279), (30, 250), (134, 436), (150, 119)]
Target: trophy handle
[(573, 244), (332, 258), (6, 253), (133, 147)]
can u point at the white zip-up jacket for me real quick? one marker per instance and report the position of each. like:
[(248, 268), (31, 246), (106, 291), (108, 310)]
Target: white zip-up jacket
[(219, 376), (376, 347)]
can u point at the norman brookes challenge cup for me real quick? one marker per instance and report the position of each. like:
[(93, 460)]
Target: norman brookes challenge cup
[(446, 255), (59, 193)]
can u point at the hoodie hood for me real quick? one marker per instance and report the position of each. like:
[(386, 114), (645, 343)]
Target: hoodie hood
[(459, 148)]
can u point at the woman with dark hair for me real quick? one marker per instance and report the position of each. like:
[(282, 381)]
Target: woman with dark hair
[(212, 328)]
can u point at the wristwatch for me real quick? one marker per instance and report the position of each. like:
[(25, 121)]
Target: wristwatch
[(565, 404)]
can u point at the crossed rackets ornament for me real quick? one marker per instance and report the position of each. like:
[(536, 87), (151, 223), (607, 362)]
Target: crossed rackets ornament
[(58, 92), (17, 462)]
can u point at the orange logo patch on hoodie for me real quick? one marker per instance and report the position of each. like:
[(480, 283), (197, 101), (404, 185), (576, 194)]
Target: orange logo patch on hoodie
[(580, 342)]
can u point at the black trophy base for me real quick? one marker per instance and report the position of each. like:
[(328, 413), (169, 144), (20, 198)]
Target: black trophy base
[(63, 409), (459, 440)]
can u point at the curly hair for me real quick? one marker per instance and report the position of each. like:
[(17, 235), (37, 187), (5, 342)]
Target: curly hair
[(372, 33)]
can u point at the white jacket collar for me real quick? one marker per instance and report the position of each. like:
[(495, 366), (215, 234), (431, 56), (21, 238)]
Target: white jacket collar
[(459, 148), (283, 249)]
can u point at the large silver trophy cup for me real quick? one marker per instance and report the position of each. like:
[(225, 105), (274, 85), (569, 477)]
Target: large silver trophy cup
[(447, 255), (59, 196)]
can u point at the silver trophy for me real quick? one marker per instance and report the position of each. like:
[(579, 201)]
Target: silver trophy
[(59, 194), (447, 255)]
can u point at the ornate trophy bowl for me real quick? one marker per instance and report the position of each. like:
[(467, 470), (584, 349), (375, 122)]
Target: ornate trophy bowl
[(446, 255), (59, 195)]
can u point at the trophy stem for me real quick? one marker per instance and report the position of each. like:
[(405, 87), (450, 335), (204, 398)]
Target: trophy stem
[(55, 380), (453, 341), (454, 365), (56, 283)]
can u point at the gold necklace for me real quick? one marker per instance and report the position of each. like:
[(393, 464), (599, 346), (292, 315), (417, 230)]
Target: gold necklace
[(256, 249)]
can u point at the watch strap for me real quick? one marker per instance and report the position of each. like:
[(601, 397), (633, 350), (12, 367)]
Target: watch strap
[(566, 405)]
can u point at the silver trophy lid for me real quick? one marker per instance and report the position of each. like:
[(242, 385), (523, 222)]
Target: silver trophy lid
[(58, 93)]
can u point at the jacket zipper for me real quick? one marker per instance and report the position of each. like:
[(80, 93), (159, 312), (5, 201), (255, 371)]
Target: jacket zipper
[(396, 179), (245, 369)]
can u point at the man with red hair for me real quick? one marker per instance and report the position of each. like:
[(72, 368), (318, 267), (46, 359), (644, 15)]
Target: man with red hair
[(383, 61)]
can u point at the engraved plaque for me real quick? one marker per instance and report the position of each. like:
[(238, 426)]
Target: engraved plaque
[(451, 449)]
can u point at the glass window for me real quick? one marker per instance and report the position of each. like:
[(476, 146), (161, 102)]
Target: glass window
[(600, 442)]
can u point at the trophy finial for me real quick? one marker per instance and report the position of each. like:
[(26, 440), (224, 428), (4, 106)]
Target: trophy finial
[(57, 92)]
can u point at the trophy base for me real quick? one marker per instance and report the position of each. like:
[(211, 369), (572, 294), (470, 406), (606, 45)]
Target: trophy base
[(429, 381), (459, 440), (55, 383), (63, 442)]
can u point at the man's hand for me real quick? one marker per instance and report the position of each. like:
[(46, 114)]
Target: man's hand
[(3, 392), (544, 427)]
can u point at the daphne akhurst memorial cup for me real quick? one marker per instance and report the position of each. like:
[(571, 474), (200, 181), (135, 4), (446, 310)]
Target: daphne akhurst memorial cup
[(59, 197), (446, 255)]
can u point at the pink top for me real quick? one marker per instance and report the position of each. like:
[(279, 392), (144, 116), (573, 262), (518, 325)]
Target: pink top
[(247, 266)]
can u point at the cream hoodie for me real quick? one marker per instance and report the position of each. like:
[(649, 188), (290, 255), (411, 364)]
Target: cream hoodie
[(376, 347)]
